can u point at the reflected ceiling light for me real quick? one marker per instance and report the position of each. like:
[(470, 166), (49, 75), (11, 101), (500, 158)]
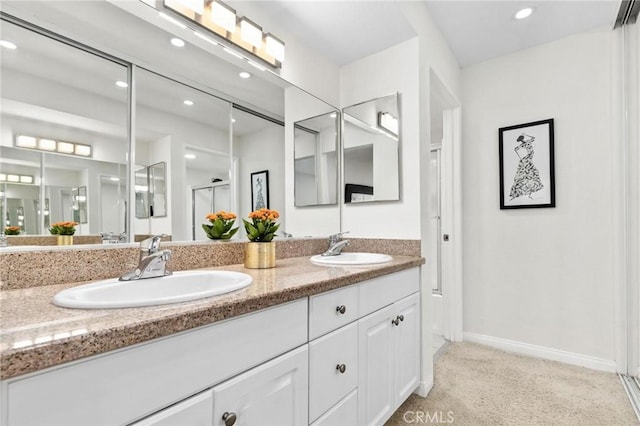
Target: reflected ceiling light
[(275, 47), (122, 84), (26, 141), (250, 32), (3, 177), (8, 45), (187, 102), (223, 16), (172, 20), (333, 115), (244, 74), (177, 42), (114, 179), (253, 64), (190, 156), (47, 144), (524, 13), (205, 38), (233, 120)]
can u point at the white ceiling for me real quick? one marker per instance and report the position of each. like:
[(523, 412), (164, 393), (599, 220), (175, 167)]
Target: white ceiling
[(345, 31)]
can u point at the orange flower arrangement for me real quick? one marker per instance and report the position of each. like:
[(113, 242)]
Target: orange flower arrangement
[(263, 226), (221, 224), (63, 228), (12, 230)]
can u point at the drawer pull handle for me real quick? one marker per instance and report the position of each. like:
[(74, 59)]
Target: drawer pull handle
[(395, 321), (341, 368), (341, 309), (401, 317), (229, 418)]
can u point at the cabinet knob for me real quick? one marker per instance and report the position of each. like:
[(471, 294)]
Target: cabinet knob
[(401, 317), (341, 368), (395, 321), (341, 309), (229, 418)]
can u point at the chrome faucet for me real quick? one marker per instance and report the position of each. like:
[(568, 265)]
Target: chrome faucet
[(3, 240), (152, 262), (336, 244)]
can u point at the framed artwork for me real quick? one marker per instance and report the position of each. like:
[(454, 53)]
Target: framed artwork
[(260, 190), (527, 166), (357, 193)]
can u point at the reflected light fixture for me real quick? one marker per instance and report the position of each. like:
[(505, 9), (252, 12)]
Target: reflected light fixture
[(244, 74), (114, 179), (223, 16), (8, 45), (28, 179), (524, 13), (47, 144), (122, 84), (65, 147), (190, 156), (188, 102), (250, 32), (26, 141), (388, 122), (177, 42), (51, 145)]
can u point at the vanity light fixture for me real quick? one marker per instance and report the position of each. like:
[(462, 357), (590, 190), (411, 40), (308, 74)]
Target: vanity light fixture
[(220, 19), (177, 42), (250, 32), (524, 13), (223, 16), (51, 145), (122, 84), (8, 45), (188, 102), (244, 74)]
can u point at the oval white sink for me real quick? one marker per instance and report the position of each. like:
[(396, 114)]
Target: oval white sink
[(179, 287), (351, 259)]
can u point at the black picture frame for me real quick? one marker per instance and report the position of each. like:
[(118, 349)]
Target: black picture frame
[(527, 165), (260, 190)]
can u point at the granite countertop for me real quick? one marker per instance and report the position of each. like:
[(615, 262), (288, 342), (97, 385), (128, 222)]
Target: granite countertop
[(35, 334)]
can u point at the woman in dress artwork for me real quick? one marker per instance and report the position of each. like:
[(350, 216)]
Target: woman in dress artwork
[(527, 178)]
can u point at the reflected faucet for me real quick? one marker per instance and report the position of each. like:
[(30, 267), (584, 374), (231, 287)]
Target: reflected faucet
[(152, 262), (336, 244), (3, 240)]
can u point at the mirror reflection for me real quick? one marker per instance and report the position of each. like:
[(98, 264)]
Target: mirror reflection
[(371, 150), (316, 160)]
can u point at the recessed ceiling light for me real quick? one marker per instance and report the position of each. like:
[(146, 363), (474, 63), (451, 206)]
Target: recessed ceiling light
[(114, 179), (190, 156), (244, 74), (177, 42), (187, 102), (523, 13), (233, 120), (7, 44), (122, 84)]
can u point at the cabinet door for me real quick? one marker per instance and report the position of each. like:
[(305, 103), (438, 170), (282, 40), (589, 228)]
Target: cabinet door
[(375, 360), (274, 393), (195, 411), (407, 347)]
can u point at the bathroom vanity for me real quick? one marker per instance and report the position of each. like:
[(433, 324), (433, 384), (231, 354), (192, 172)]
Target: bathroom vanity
[(303, 344)]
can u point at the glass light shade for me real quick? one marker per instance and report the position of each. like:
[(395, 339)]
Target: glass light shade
[(275, 47), (250, 32), (47, 144), (65, 147), (195, 5), (26, 141), (3, 177), (26, 179), (13, 178), (223, 16), (389, 122), (83, 150)]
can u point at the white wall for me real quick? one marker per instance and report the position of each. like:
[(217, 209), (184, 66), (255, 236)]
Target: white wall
[(543, 276), (396, 70)]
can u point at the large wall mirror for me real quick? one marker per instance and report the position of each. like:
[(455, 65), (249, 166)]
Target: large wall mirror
[(371, 150), (209, 128)]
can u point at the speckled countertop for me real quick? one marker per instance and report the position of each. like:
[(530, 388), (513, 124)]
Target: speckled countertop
[(35, 334)]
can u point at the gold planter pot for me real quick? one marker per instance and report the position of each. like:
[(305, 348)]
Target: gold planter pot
[(65, 240), (260, 255)]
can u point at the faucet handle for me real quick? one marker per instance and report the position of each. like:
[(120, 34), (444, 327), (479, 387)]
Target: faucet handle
[(336, 237)]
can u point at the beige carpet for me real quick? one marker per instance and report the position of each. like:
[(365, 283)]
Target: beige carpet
[(478, 385)]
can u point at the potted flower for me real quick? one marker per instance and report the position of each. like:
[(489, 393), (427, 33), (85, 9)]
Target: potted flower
[(12, 230), (221, 225), (261, 249), (64, 231)]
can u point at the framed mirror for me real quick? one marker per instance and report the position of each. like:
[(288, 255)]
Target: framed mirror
[(316, 160), (371, 151)]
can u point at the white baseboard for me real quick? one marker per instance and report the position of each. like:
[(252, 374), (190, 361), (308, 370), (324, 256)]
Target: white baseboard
[(424, 388), (543, 352)]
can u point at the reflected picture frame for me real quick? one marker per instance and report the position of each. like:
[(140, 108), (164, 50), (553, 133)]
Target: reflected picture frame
[(527, 165), (260, 190)]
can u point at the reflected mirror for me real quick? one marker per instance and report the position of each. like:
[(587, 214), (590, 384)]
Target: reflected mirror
[(316, 160), (79, 204), (371, 150)]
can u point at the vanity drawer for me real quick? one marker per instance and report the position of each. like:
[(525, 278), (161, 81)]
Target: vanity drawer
[(380, 292), (331, 310), (333, 369), (344, 413)]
